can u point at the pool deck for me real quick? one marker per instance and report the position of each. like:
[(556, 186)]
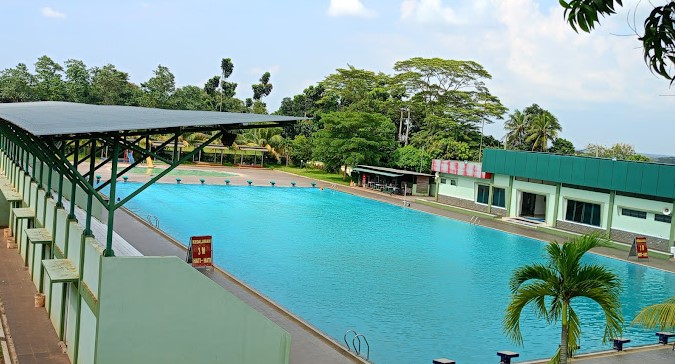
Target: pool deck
[(33, 339)]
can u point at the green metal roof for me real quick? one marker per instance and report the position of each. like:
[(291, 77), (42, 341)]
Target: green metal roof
[(644, 178), (66, 118)]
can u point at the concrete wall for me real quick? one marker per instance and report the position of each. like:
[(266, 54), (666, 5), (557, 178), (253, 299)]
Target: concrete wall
[(178, 316)]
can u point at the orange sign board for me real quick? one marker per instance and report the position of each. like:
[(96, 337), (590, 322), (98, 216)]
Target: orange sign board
[(202, 252)]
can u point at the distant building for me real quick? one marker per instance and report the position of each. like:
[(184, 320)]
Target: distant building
[(579, 194)]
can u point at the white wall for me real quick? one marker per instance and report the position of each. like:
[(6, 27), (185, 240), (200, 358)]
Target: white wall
[(646, 226)]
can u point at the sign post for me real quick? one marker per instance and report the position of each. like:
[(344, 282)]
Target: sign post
[(639, 248), (200, 252)]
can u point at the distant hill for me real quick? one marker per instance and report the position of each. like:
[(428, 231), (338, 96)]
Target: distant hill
[(668, 159)]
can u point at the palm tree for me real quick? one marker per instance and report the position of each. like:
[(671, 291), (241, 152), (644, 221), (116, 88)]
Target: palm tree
[(659, 315), (516, 127), (551, 288), (543, 127)]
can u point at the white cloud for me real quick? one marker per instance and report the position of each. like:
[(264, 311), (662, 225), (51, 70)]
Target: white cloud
[(428, 11), (349, 8), (51, 13)]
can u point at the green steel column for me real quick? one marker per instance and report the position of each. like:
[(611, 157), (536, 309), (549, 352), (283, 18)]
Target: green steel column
[(557, 204), (42, 168), (508, 197), (34, 172), (610, 212), (92, 166), (73, 184), (111, 202)]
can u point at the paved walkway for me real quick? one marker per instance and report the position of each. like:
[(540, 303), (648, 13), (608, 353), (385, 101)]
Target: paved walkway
[(34, 338)]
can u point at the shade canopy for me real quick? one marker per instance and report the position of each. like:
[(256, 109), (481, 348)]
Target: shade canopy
[(51, 118)]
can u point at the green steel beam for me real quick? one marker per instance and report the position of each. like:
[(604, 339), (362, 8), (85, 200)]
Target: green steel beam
[(108, 252)]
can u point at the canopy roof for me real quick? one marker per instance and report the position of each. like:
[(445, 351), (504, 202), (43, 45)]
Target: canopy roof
[(381, 173), (382, 170), (51, 118)]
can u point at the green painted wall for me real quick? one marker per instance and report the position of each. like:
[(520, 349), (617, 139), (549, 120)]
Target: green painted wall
[(87, 335), (160, 310)]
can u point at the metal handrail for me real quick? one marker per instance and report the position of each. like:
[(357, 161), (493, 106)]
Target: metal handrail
[(345, 338), (357, 339), (153, 220), (358, 351)]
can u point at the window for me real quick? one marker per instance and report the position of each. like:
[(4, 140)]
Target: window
[(633, 213), (663, 218), (583, 212), (453, 181), (498, 197), (443, 181), (483, 194)]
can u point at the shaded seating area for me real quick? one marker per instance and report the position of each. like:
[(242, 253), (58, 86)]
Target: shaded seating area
[(392, 181)]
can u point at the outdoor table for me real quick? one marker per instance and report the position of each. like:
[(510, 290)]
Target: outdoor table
[(39, 236), (21, 213)]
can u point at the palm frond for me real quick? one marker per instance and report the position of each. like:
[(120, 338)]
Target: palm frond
[(660, 315)]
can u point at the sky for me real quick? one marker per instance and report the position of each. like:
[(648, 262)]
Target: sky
[(597, 85)]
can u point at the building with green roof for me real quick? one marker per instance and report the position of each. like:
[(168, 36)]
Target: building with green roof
[(624, 199)]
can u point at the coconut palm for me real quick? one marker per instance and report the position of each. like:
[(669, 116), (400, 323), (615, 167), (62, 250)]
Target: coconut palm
[(542, 128), (660, 315), (516, 128), (552, 287)]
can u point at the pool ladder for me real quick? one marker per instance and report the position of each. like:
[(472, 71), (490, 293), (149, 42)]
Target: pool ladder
[(153, 220), (356, 343), (475, 220)]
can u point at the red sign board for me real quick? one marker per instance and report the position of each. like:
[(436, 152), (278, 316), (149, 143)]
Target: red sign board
[(639, 248), (469, 169), (641, 245), (202, 252)]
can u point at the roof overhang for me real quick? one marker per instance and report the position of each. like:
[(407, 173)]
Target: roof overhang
[(52, 118)]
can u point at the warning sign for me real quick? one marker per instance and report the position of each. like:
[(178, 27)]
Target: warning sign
[(639, 248), (200, 252)]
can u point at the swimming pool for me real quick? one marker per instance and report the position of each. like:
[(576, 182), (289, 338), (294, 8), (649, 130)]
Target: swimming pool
[(418, 286)]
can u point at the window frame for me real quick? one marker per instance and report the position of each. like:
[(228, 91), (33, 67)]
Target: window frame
[(584, 218), (479, 194), (633, 213)]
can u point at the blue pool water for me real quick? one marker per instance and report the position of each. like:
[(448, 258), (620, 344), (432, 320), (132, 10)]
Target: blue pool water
[(419, 286)]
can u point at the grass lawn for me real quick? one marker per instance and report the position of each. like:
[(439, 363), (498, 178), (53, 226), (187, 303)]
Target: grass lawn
[(316, 174)]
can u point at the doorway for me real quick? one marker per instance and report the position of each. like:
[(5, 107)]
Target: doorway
[(533, 206)]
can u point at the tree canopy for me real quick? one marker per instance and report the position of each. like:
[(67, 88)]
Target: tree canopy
[(657, 38)]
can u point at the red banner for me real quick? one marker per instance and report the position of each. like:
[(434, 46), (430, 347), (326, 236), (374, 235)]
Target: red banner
[(202, 252)]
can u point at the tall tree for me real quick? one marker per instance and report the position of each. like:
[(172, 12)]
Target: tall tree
[(658, 36), (543, 128), (17, 85), (550, 289), (260, 90), (112, 87), (190, 98), (157, 91), (350, 138), (78, 81), (49, 84), (562, 146), (516, 130)]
